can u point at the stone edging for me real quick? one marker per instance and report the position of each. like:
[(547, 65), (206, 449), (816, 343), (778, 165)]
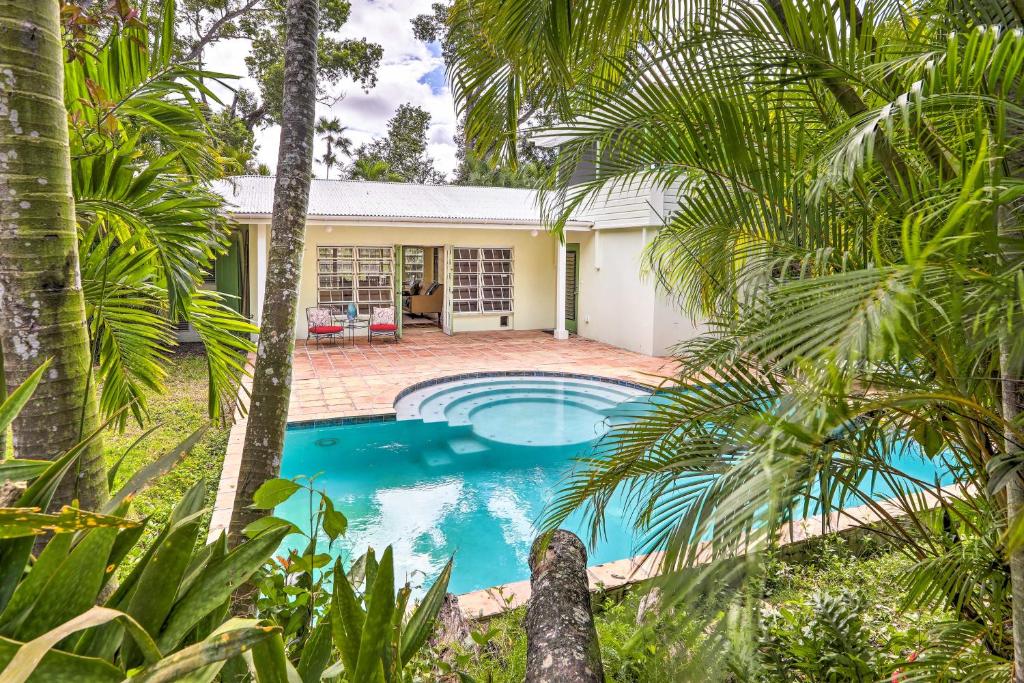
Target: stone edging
[(518, 373), (490, 602)]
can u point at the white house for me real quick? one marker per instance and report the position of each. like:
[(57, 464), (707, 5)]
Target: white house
[(494, 264)]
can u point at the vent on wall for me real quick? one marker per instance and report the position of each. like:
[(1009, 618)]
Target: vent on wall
[(503, 321)]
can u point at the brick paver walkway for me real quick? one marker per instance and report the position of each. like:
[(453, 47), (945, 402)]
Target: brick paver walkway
[(335, 380)]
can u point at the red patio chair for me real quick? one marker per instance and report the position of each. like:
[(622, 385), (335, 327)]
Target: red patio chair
[(382, 324), (320, 324)]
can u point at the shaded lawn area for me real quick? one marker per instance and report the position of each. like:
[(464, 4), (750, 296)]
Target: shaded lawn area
[(177, 413)]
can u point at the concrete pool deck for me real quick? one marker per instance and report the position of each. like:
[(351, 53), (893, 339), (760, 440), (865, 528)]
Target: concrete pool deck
[(335, 380)]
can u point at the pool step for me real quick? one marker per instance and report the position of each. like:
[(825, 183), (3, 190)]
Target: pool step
[(466, 446), (452, 403), (434, 458), (454, 452)]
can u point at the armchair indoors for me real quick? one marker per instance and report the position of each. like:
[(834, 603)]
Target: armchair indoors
[(431, 301)]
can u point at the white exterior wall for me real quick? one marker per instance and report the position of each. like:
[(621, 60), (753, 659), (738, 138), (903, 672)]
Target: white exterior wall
[(616, 305), (624, 205)]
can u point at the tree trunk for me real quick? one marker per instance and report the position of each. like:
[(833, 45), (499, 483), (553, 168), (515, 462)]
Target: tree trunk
[(561, 641), (268, 410), (1011, 396), (42, 309)]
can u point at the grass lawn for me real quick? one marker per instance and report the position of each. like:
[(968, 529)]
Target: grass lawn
[(176, 413)]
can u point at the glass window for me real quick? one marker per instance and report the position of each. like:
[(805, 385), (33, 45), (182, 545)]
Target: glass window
[(482, 281), (354, 275)]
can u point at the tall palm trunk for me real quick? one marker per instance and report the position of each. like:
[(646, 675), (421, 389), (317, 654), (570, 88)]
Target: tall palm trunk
[(268, 412), (42, 310), (1012, 396)]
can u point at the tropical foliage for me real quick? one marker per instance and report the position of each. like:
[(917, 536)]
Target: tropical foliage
[(849, 182), (149, 227), (64, 614), (317, 602), (403, 151)]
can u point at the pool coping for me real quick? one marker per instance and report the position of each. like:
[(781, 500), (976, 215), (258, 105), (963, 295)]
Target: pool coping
[(621, 574)]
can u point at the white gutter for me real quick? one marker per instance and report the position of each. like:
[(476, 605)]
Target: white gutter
[(418, 222)]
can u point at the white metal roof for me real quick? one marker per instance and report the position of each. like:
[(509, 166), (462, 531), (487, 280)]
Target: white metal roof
[(253, 196)]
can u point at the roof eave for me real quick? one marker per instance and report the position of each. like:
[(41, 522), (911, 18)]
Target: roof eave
[(415, 222)]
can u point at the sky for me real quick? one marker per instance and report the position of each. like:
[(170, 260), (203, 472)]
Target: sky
[(409, 72)]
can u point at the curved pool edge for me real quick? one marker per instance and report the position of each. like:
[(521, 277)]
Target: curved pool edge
[(519, 373)]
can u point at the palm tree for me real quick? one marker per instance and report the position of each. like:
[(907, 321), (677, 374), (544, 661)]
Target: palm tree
[(42, 307), (268, 411), (149, 227), (849, 227), (373, 169), (333, 133)]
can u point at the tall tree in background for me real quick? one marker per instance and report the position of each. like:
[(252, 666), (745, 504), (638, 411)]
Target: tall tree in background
[(333, 134), (373, 169), (268, 410), (262, 22), (42, 309), (404, 150), (533, 163), (205, 23)]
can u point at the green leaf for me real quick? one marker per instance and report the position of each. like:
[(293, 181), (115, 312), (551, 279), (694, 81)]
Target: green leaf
[(72, 588), (269, 661), (48, 562), (17, 522), (316, 653), (29, 655), (272, 493), (160, 580), (14, 554), (380, 605), (421, 623), (347, 618), (307, 563), (17, 399), (141, 479), (216, 583), (264, 524), (217, 648), (17, 469), (58, 666), (334, 523)]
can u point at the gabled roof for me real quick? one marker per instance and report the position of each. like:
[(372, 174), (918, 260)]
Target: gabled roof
[(253, 196)]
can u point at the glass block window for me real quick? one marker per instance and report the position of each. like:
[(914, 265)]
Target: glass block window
[(359, 275), (482, 280)]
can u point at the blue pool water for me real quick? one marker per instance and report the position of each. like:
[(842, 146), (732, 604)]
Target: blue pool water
[(466, 470)]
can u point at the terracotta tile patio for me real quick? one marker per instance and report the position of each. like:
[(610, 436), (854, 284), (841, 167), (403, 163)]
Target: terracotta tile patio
[(345, 380), (341, 380)]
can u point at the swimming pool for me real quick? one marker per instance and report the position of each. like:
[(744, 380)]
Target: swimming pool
[(467, 469)]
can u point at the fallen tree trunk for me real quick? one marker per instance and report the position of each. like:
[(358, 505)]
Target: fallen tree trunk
[(561, 641)]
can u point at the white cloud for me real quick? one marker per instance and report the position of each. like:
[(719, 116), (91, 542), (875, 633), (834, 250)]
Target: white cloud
[(406, 62)]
